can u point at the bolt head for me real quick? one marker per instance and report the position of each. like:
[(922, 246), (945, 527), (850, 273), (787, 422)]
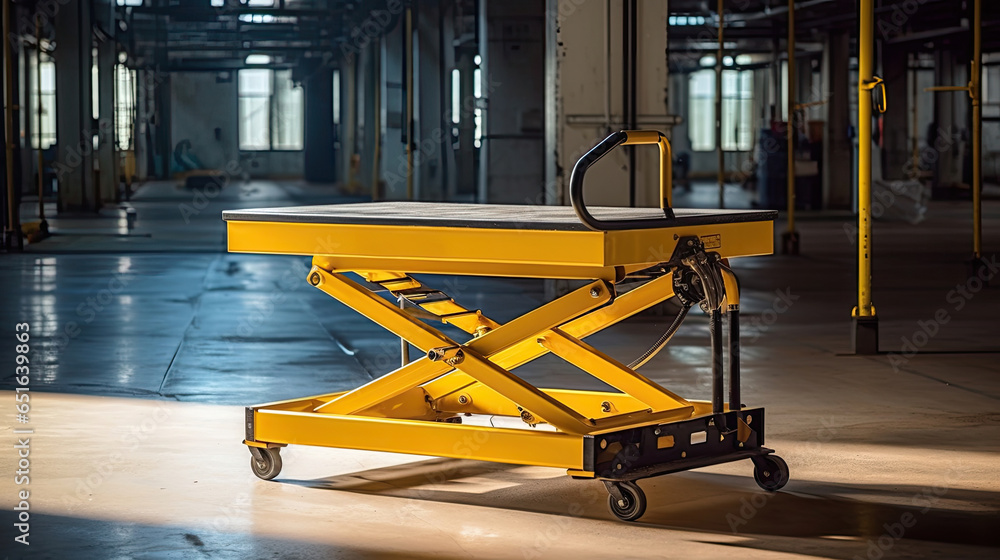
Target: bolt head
[(594, 292), (314, 279)]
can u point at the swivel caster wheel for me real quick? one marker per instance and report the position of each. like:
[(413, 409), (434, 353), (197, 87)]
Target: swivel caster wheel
[(770, 472), (268, 464), (629, 504)]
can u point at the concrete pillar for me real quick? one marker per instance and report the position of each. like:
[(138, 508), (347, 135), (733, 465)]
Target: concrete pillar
[(74, 167), (348, 117), (514, 84), (162, 119), (896, 147), (652, 100), (838, 157), (429, 80), (318, 152), (582, 73), (107, 56), (392, 74), (949, 118)]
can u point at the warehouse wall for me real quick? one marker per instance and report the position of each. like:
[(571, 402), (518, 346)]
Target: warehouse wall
[(200, 103), (579, 77), (515, 86)]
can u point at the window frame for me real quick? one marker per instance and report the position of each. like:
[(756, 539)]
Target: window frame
[(272, 111), (730, 96)]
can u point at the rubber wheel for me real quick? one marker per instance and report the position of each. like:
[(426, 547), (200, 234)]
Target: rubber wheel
[(633, 504), (774, 476), (269, 467)]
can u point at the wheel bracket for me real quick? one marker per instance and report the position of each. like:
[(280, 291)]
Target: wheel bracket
[(614, 489)]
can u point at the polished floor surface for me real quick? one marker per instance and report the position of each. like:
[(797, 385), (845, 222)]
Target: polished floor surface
[(148, 339)]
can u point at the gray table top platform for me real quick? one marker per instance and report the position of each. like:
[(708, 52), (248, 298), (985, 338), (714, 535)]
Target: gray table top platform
[(489, 216)]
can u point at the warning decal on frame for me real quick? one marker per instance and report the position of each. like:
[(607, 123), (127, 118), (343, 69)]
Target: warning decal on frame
[(711, 241)]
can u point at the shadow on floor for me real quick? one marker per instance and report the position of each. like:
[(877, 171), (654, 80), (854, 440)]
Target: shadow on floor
[(58, 537), (841, 519)]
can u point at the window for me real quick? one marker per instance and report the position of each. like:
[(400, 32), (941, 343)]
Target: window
[(991, 91), (124, 107), (45, 136), (701, 110), (737, 110), (270, 110), (336, 96), (95, 95), (686, 20), (477, 113), (456, 95)]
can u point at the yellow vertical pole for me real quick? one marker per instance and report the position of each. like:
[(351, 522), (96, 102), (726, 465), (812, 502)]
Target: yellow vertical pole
[(865, 323), (409, 103), (866, 75), (975, 91), (8, 65), (718, 111)]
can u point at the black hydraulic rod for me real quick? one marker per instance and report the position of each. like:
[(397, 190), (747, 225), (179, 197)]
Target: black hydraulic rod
[(734, 360), (715, 330)]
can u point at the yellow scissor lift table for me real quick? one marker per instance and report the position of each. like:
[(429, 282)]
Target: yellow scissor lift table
[(638, 431)]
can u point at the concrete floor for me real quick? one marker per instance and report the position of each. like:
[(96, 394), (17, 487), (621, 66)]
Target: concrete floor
[(147, 343)]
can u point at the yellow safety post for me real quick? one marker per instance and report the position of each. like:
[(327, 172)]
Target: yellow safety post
[(790, 239), (865, 322), (975, 90), (718, 112)]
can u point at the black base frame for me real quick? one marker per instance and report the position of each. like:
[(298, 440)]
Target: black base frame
[(654, 450)]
